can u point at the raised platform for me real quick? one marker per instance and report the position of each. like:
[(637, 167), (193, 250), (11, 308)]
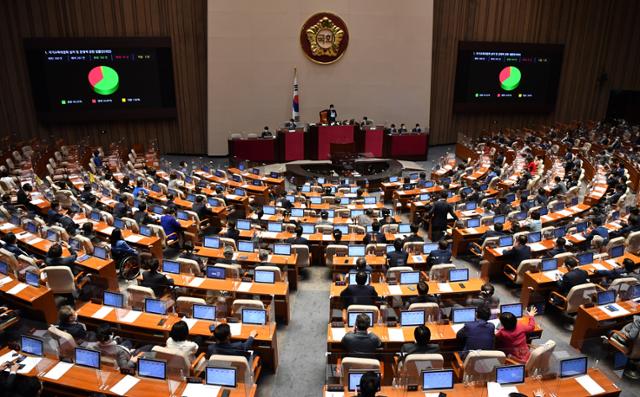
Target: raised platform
[(374, 171)]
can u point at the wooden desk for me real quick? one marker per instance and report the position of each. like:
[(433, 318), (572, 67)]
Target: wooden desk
[(83, 381), (145, 329), (37, 302), (151, 244), (564, 387), (592, 322), (463, 238), (346, 263), (495, 258)]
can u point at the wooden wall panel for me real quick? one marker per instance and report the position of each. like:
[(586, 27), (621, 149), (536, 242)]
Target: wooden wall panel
[(599, 37), (182, 20)]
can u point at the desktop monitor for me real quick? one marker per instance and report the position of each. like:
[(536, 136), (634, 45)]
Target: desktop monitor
[(354, 380), (393, 179), (370, 200), (254, 316), (425, 197), (236, 178), (183, 216), (255, 171), (344, 200), (534, 237), (291, 198), (33, 279), (428, 247), (95, 216), (239, 192), (470, 206), (413, 176), (513, 308), (245, 246), (99, 252), (615, 215), (297, 212), (559, 232), (172, 267), (549, 264), (353, 315), (256, 182), (113, 299), (119, 223), (520, 216), (156, 188), (344, 229), (457, 275), (407, 186), (316, 200), (264, 276), (543, 211), (484, 187), (356, 213), (242, 166), (634, 292), (204, 312), (158, 210), (356, 250), (463, 315), (352, 278), (308, 228), (87, 358), (282, 249), (331, 214), (32, 345), (573, 367), (511, 197), (211, 242), (243, 224), (558, 206), (31, 227), (215, 272), (52, 236), (145, 230), (606, 297), (219, 173), (149, 368), (617, 251), (404, 228), (191, 197), (499, 219), (412, 318), (505, 241), (155, 306), (492, 201), (320, 181), (391, 248), (213, 202), (269, 210), (275, 227), (409, 278), (581, 227), (306, 188), (585, 258), (437, 380), (473, 222), (429, 184), (510, 374), (4, 268), (221, 376), (75, 244)]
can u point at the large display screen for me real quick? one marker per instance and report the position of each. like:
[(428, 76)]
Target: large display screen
[(507, 77), (101, 78)]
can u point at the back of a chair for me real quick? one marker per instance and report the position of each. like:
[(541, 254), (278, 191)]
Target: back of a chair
[(357, 229), (226, 241), (324, 229), (413, 247), (633, 243), (579, 295), (614, 242), (334, 250), (60, 279), (365, 308), (8, 258), (389, 228), (525, 266), (189, 266), (177, 361), (65, 343), (431, 310), (240, 363), (239, 304), (64, 236), (414, 364), (184, 304), (302, 254), (232, 270), (352, 363), (623, 286), (540, 358), (393, 273), (480, 364), (275, 269), (490, 242), (441, 271), (87, 245), (563, 257), (131, 224), (158, 231), (137, 295)]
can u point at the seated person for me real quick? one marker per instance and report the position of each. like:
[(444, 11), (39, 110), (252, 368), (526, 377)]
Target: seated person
[(68, 322), (485, 297), (479, 334), (324, 218), (627, 270), (422, 336), (232, 232), (512, 337), (498, 230), (423, 295), (140, 191), (227, 252), (369, 384), (170, 225), (266, 133), (141, 216), (298, 239), (53, 214), (360, 341), (541, 198), (414, 233), (11, 245), (360, 293), (398, 257), (575, 276), (119, 247), (597, 230), (121, 208), (375, 237), (87, 195), (179, 342), (200, 207), (88, 232), (440, 255), (223, 344), (155, 280), (337, 236), (520, 252), (559, 247), (361, 266), (54, 256), (108, 346), (535, 224), (187, 253)]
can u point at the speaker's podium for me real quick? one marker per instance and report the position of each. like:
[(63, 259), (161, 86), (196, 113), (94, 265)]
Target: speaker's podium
[(318, 146), (343, 156)]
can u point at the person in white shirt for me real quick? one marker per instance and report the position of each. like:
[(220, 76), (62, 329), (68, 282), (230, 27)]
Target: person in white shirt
[(178, 341)]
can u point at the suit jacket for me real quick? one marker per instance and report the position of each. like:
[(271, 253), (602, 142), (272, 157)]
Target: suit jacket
[(397, 258), (361, 342), (158, 282), (439, 214), (490, 233), (142, 218), (556, 251), (572, 278), (439, 256), (414, 348), (230, 348), (477, 335), (358, 295), (297, 240), (374, 238), (413, 238), (517, 254), (232, 233)]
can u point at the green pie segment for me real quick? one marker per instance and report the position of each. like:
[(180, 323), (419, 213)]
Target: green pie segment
[(509, 78), (104, 80)]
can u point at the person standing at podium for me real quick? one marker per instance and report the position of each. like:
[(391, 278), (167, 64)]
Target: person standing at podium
[(266, 133), (290, 125), (366, 122), (333, 115), (417, 128)]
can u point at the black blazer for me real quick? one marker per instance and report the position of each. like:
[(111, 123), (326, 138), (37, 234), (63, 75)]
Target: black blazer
[(517, 254), (397, 258), (571, 279), (358, 295), (439, 214), (158, 282)]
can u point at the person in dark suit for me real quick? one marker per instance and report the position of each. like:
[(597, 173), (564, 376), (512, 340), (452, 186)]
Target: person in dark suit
[(503, 207), (575, 276), (359, 294), (498, 230), (333, 115), (423, 295), (439, 214), (68, 322), (626, 271), (361, 266), (414, 234), (200, 208), (375, 237), (597, 230), (398, 257), (223, 345), (141, 216), (485, 297), (559, 247), (422, 336), (232, 232), (479, 334), (87, 195), (298, 239), (155, 280), (440, 255), (54, 257), (520, 252), (360, 341), (369, 384), (11, 245), (266, 133), (53, 214), (121, 208)]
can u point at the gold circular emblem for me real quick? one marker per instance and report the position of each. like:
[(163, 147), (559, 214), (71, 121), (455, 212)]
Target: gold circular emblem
[(324, 38)]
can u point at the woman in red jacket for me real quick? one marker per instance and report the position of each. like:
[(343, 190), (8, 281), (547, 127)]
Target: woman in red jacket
[(512, 337)]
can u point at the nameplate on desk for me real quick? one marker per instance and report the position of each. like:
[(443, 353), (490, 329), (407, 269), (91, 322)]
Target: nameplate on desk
[(338, 333), (396, 334), (395, 290), (579, 237), (497, 390), (196, 282), (268, 234), (37, 201), (244, 287), (468, 213), (591, 386), (58, 371), (102, 312), (565, 213), (327, 237), (552, 274), (235, 328), (125, 384), (598, 266), (612, 262), (134, 238), (537, 247), (199, 389), (35, 240), (16, 289), (190, 321), (417, 258), (5, 280), (444, 287), (131, 316), (7, 226)]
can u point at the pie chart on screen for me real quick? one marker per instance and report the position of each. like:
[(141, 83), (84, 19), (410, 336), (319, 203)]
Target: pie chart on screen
[(509, 78), (104, 80)]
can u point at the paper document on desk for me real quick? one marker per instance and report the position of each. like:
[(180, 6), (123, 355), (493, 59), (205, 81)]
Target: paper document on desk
[(456, 327), (468, 213), (444, 287), (125, 384), (612, 262), (614, 310), (235, 328), (396, 335), (134, 238), (16, 290), (244, 287), (591, 386), (497, 390), (334, 394), (338, 333), (29, 364), (196, 282), (578, 236), (268, 235), (37, 201), (5, 280), (395, 290), (35, 240), (472, 230), (190, 321), (107, 230), (417, 258), (327, 237), (102, 312), (131, 316), (7, 226), (58, 371), (565, 213), (598, 266), (537, 247), (552, 274), (198, 389)]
